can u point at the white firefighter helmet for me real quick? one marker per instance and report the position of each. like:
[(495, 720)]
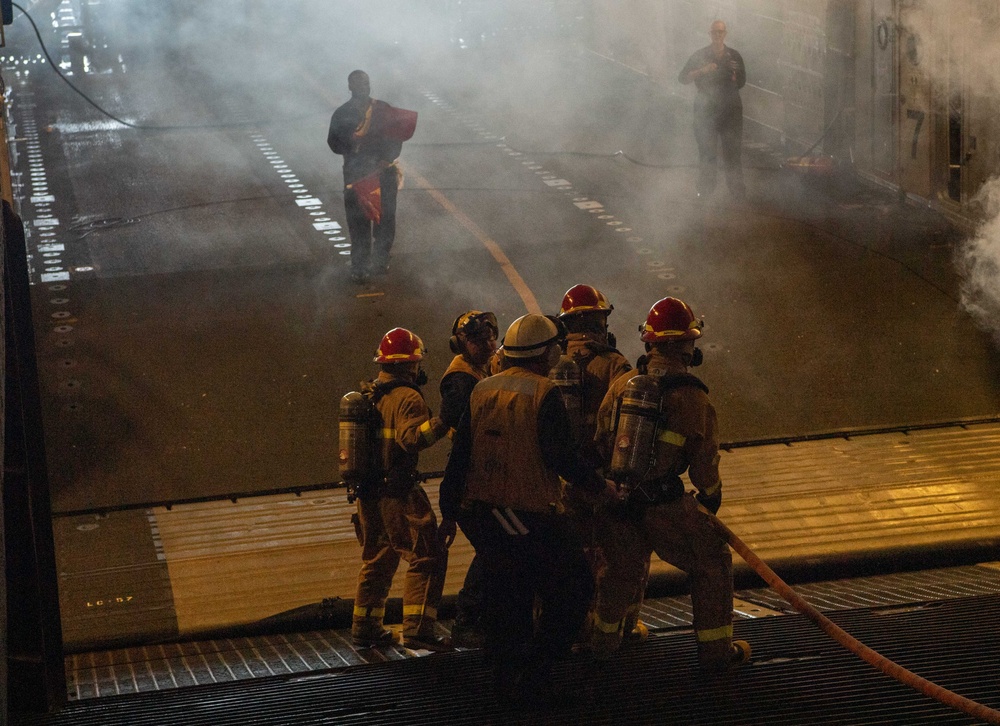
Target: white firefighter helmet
[(529, 336)]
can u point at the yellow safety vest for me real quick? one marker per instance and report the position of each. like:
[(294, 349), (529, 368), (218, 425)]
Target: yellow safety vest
[(506, 466)]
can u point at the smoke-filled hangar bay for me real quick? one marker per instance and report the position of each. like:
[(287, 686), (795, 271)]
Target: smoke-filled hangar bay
[(213, 325)]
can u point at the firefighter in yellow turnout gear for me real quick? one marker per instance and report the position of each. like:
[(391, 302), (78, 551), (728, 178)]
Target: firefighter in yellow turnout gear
[(394, 519), (474, 342), (504, 484), (658, 515), (584, 312), (593, 361)]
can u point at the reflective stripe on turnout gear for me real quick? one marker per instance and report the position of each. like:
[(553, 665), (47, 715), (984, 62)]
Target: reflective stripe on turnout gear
[(510, 522), (606, 627), (363, 612), (427, 431), (672, 437), (712, 489), (422, 610), (388, 433), (712, 634)]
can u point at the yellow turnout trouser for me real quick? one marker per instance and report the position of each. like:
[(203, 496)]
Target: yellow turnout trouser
[(391, 529)]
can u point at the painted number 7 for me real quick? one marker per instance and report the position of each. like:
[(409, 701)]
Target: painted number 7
[(917, 116)]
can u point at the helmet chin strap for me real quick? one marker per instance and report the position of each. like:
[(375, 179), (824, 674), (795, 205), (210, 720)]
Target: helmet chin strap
[(692, 360)]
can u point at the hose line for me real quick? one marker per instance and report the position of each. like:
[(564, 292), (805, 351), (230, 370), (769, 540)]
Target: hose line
[(872, 657)]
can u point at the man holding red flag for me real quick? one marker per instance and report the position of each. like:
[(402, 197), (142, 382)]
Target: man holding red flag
[(369, 134)]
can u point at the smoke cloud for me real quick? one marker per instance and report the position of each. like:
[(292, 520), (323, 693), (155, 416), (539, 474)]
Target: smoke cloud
[(979, 263), (944, 41)]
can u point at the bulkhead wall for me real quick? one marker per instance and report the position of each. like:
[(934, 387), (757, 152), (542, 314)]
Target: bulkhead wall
[(904, 91)]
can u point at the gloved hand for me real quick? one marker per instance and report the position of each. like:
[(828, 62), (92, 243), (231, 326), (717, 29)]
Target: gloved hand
[(446, 533), (711, 503), (438, 427), (591, 455), (611, 493), (601, 494)]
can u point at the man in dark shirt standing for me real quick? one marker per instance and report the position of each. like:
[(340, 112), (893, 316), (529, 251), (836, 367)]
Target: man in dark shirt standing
[(358, 134), (719, 73)]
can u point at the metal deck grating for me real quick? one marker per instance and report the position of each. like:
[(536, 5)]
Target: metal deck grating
[(162, 667), (798, 676), (888, 590), (171, 666)]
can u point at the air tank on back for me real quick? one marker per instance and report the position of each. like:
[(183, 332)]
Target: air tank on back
[(635, 433), (355, 437), (569, 380)]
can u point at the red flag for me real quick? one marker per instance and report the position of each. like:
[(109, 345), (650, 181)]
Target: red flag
[(395, 123), (369, 192)]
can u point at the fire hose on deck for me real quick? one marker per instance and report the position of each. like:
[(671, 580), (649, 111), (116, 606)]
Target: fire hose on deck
[(873, 658)]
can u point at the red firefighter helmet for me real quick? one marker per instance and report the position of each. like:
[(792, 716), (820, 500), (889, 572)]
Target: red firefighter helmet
[(399, 345), (584, 299), (670, 319)]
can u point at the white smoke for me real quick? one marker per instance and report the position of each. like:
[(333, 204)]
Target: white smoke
[(979, 263), (977, 258)]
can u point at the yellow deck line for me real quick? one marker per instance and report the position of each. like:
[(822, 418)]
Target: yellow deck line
[(516, 281)]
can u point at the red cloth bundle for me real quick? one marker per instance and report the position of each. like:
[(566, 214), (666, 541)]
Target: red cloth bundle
[(394, 123), (369, 192)]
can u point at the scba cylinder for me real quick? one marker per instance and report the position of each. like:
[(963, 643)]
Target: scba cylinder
[(355, 437), (635, 434), (568, 379)]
